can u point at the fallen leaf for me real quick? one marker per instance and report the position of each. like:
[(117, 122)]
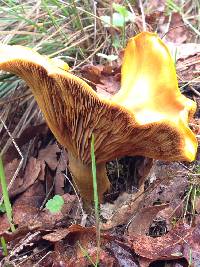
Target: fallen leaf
[(122, 254), (167, 247), (57, 235), (27, 213), (108, 209), (92, 73), (43, 219), (109, 86), (49, 154), (188, 69), (141, 221), (152, 251), (105, 79), (191, 246), (178, 32), (172, 186), (26, 210), (70, 204), (105, 259), (127, 205), (26, 136), (59, 177), (123, 214), (27, 205), (153, 18), (34, 170), (112, 252), (10, 169), (4, 224), (183, 51)]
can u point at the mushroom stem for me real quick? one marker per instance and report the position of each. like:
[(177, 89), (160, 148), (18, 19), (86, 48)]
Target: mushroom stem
[(82, 177)]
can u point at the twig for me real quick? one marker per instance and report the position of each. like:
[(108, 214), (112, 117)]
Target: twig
[(144, 26), (20, 153)]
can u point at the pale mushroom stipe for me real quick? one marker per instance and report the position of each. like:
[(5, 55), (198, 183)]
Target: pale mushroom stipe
[(148, 116)]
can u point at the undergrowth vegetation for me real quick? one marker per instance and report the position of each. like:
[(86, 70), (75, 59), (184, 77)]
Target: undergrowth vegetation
[(76, 31)]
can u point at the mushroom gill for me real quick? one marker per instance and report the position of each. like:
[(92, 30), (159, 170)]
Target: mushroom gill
[(147, 117)]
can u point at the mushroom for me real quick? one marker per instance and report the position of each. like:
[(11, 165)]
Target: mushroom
[(148, 116)]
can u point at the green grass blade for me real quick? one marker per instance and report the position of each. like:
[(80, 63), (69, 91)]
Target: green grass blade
[(96, 199), (94, 176), (86, 254), (6, 196), (4, 246)]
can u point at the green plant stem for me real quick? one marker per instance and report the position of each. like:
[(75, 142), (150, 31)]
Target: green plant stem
[(4, 246), (6, 196), (86, 254), (96, 199)]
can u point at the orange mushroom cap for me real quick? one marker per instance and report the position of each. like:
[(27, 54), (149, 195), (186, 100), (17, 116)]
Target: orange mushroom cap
[(149, 88), (148, 116)]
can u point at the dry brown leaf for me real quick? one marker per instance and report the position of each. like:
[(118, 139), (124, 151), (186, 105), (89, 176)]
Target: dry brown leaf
[(187, 62), (59, 184), (10, 169), (105, 259), (25, 137), (171, 183), (23, 214), (183, 51), (57, 235), (109, 86), (25, 207), (122, 254), (47, 220), (60, 178), (105, 79), (178, 32), (125, 212), (111, 253), (153, 19), (70, 204), (108, 209), (181, 242), (26, 210), (189, 69), (127, 205), (192, 247), (172, 186), (49, 155), (161, 248), (141, 222), (34, 170), (92, 73)]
